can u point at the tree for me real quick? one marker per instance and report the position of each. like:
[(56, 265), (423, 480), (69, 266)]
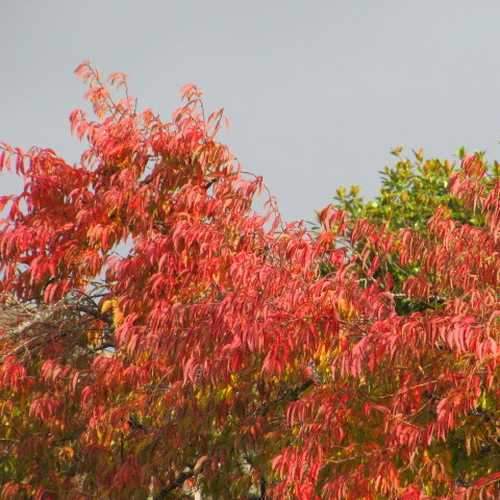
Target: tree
[(412, 195), (226, 349), (409, 196)]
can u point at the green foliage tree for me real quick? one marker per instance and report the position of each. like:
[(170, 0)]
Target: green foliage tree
[(410, 193)]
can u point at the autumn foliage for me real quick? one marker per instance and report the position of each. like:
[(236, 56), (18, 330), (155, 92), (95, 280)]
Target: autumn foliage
[(157, 334)]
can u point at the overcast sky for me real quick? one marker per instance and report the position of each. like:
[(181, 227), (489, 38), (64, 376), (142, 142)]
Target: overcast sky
[(317, 92)]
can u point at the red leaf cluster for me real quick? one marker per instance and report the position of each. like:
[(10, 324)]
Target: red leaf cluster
[(212, 332)]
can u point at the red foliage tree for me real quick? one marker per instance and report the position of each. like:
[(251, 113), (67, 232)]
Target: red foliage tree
[(217, 351)]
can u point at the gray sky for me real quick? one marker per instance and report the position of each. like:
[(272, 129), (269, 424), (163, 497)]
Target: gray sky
[(317, 92)]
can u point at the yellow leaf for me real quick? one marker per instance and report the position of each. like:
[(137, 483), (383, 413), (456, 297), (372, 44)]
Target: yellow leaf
[(117, 316), (107, 305)]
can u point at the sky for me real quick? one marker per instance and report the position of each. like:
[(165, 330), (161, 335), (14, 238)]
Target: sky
[(317, 92)]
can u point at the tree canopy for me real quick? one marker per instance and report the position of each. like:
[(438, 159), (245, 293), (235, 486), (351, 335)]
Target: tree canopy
[(157, 334)]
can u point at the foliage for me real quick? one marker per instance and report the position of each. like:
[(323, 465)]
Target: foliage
[(226, 349), (412, 191), (410, 194)]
